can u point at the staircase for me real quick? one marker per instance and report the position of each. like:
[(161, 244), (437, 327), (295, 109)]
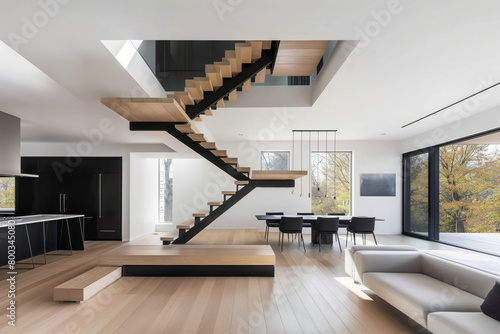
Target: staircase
[(178, 112)]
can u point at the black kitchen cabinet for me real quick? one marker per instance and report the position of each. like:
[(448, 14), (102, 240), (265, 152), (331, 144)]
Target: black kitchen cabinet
[(75, 185)]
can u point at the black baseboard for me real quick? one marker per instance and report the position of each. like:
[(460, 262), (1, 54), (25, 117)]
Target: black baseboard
[(199, 271)]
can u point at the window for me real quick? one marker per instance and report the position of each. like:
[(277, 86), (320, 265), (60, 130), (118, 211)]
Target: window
[(166, 190), (452, 193), (275, 160), (7, 194), (416, 167), (469, 194), (331, 182)]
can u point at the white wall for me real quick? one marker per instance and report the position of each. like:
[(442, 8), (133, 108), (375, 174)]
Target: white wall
[(196, 182), (143, 195), (458, 126)]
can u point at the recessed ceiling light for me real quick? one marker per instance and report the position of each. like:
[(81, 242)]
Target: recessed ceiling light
[(240, 134), (383, 134)]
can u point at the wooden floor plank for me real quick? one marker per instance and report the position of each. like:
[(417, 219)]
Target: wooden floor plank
[(310, 293)]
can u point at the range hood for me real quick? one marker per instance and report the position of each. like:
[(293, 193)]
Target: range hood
[(10, 147), (18, 175)]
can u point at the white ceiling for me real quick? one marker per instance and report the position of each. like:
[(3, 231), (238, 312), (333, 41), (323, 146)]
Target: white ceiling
[(424, 57)]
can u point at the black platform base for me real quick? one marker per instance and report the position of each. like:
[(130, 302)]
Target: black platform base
[(199, 271)]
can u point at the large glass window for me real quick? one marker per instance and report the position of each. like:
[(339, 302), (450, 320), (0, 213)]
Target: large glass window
[(166, 190), (469, 195), (7, 194), (331, 182), (452, 193), (416, 190), (275, 160)]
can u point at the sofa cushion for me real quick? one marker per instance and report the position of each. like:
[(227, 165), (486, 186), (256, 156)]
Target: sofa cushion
[(461, 323), (387, 261), (417, 295), (463, 277), (356, 248), (491, 305)]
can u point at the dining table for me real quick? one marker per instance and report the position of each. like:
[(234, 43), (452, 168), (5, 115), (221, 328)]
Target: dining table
[(311, 219)]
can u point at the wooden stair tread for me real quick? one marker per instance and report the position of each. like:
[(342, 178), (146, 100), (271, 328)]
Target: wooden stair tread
[(224, 67), (220, 103), (247, 86), (244, 52), (243, 169), (204, 83), (230, 161), (233, 95), (147, 109), (185, 224), (277, 174), (266, 45), (202, 213), (208, 145), (220, 153), (209, 112), (214, 74), (84, 286), (194, 88), (214, 203), (256, 49), (260, 77), (187, 128), (228, 192), (241, 182), (167, 237), (183, 98), (198, 137), (236, 64), (198, 119)]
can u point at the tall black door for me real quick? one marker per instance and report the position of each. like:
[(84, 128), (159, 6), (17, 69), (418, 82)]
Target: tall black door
[(109, 206)]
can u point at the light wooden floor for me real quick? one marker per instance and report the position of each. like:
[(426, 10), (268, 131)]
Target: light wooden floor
[(310, 294)]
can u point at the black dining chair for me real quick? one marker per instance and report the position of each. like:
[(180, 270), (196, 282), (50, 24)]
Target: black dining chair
[(291, 225), (272, 223), (307, 224), (343, 223), (363, 226), (336, 214), (327, 225)]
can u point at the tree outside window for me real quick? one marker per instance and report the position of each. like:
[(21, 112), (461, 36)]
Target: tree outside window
[(275, 160), (7, 193), (166, 190), (331, 182)]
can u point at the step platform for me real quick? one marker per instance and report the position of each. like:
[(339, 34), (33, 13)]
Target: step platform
[(192, 260), (86, 285)]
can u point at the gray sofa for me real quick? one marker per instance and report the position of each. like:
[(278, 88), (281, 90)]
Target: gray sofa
[(441, 295)]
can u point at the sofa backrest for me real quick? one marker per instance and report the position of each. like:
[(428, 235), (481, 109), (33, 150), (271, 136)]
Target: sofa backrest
[(472, 280)]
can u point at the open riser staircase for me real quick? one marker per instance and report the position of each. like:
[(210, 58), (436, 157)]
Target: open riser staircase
[(175, 114)]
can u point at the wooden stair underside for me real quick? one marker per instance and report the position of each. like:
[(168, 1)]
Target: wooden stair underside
[(277, 174), (147, 109), (298, 58)]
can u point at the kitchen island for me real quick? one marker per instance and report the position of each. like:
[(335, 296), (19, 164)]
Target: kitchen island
[(39, 234)]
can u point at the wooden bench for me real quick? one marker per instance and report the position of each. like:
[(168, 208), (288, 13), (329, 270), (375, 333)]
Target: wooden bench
[(86, 285)]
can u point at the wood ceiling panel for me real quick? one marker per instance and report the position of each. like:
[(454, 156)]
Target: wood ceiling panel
[(298, 58)]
